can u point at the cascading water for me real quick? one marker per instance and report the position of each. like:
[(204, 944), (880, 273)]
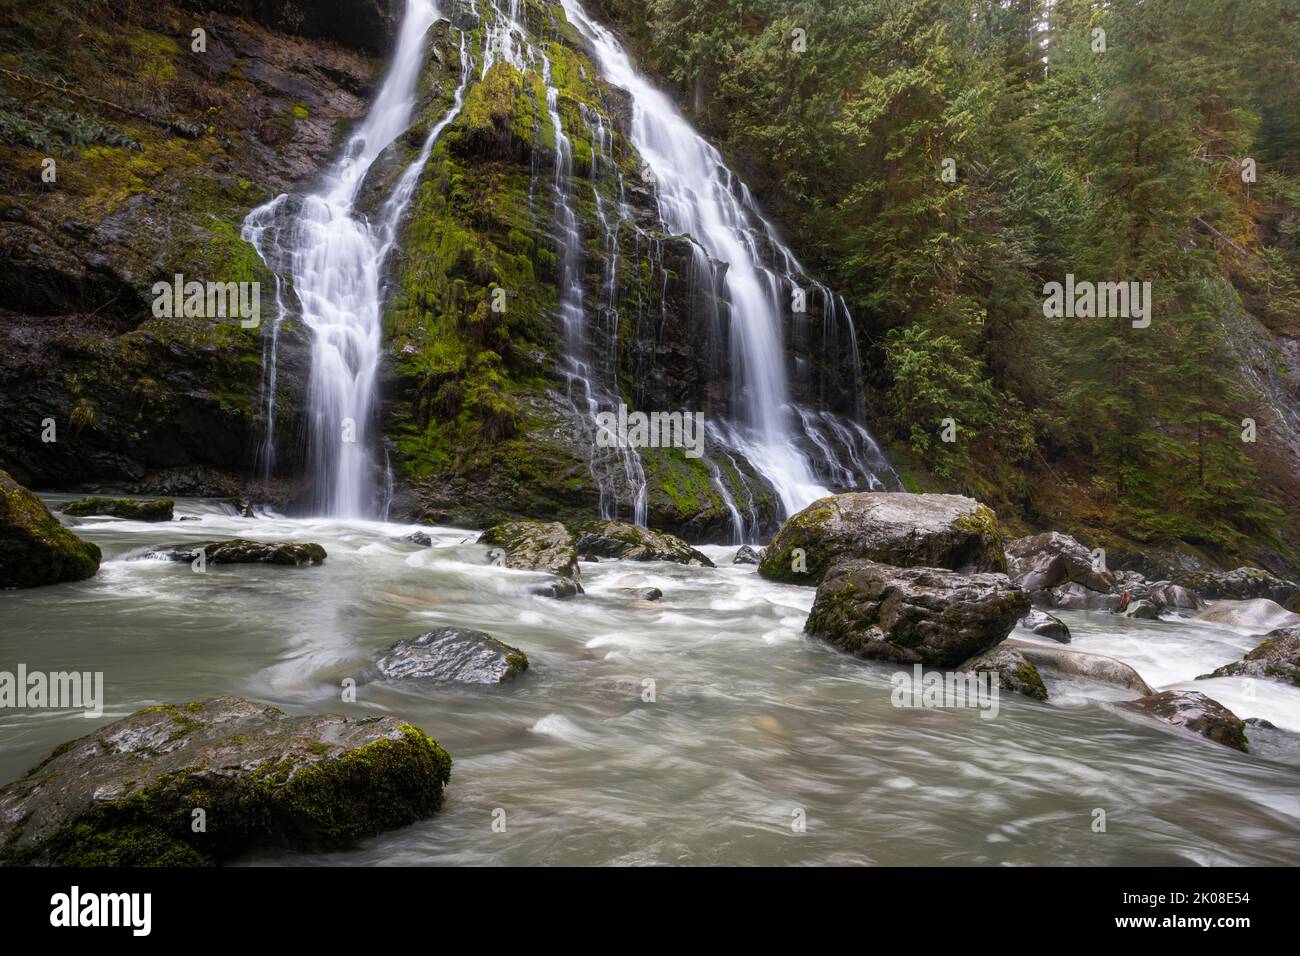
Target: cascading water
[(334, 258), (698, 196)]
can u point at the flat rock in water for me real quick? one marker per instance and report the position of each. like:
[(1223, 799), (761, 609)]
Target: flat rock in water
[(618, 539), (904, 530), (1192, 710), (242, 551), (642, 594), (1277, 658), (453, 654), (150, 509), (34, 548), (928, 616), (1258, 613), (125, 794)]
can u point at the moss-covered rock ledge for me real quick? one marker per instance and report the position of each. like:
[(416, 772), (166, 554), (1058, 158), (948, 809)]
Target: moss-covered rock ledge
[(206, 782), (34, 548)]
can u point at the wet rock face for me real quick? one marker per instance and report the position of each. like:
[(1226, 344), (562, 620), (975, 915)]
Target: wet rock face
[(370, 25), (456, 654), (1041, 562), (160, 509), (535, 546), (906, 530), (929, 616), (242, 551), (1278, 658), (1240, 585), (1192, 710), (34, 548), (1012, 669), (618, 539), (126, 795)]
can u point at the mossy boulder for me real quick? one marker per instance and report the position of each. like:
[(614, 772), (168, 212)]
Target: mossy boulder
[(905, 530), (619, 539), (929, 616), (136, 509), (1277, 658), (1192, 711), (1012, 671), (535, 546), (129, 793), (243, 551), (456, 654), (34, 548), (1241, 584)]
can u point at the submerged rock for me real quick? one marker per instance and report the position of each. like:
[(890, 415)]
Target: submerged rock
[(1192, 710), (930, 616), (1240, 584), (1013, 671), (1278, 658), (535, 546), (1097, 667), (453, 654), (558, 588), (642, 594), (618, 539), (1259, 613), (905, 530), (34, 548), (243, 551), (420, 538), (153, 509), (127, 794), (1046, 625), (747, 555)]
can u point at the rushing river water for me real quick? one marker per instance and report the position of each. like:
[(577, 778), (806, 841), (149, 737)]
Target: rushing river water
[(751, 722)]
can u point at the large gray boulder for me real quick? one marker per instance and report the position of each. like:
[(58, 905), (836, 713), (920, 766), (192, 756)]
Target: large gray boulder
[(1095, 667), (1040, 563), (1259, 613), (456, 654), (130, 793), (1277, 658), (929, 616), (904, 530), (1240, 584), (537, 546), (1193, 711), (34, 548), (618, 539)]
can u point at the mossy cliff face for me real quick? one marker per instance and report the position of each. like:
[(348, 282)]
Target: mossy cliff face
[(160, 153), (128, 794), (483, 422), (34, 548)]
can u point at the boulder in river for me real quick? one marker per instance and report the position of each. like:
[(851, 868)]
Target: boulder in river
[(905, 530), (747, 555), (1278, 657), (642, 594), (243, 551), (34, 548), (1175, 597), (1259, 613), (929, 616), (420, 538), (1096, 667), (1240, 584), (535, 546), (618, 539), (1046, 625), (1073, 596), (1143, 610), (1040, 563), (127, 794), (457, 654), (136, 509), (1013, 670), (1192, 710)]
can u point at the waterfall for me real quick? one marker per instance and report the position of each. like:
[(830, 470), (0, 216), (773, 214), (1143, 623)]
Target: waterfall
[(333, 257)]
